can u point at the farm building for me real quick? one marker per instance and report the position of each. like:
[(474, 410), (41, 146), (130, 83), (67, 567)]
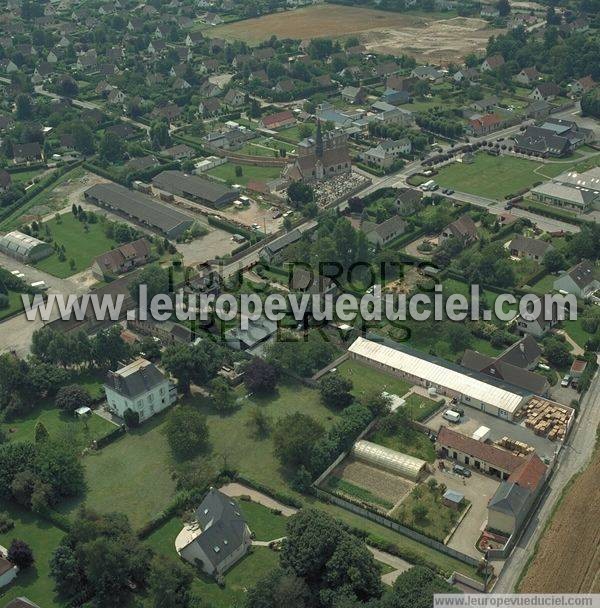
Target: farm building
[(218, 538), (141, 208), (478, 454), (194, 188), (24, 248), (450, 380), (389, 460)]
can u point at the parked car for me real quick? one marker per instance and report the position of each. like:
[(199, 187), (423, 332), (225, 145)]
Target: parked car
[(566, 380), (460, 470)]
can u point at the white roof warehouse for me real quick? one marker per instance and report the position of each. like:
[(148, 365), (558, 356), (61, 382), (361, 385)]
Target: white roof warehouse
[(446, 379)]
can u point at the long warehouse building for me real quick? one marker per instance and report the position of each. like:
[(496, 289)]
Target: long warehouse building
[(447, 379), (141, 208), (194, 188)]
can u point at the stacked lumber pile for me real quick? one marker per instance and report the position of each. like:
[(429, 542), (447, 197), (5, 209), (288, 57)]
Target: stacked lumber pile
[(546, 418), (518, 448)]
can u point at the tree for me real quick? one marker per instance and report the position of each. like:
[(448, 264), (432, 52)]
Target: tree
[(132, 418), (335, 391), (503, 7), (20, 554), (554, 260), (187, 432), (57, 465), (322, 551), (278, 589), (259, 420), (24, 108), (415, 588), (221, 394), (84, 139), (294, 437), (260, 377), (159, 134), (154, 278), (557, 352), (67, 86), (40, 432), (170, 584), (300, 194), (420, 512), (71, 397), (111, 148)]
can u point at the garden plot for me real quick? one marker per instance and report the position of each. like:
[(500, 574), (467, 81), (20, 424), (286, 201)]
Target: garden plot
[(360, 481)]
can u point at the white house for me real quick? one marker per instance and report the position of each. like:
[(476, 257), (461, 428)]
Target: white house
[(8, 571), (387, 152), (140, 387), (581, 280), (218, 537)]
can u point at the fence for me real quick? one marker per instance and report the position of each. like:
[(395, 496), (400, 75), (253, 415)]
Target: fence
[(392, 525)]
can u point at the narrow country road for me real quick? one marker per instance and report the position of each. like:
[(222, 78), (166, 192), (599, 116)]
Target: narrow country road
[(577, 453)]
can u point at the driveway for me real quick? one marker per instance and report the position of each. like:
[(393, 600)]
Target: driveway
[(499, 428), (478, 489)]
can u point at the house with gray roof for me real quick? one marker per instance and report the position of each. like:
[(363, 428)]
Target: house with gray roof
[(524, 247), (140, 387), (380, 234), (387, 152), (580, 280), (218, 537)]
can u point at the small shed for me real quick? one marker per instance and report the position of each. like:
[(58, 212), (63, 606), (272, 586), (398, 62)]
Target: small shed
[(452, 499), (578, 367), (83, 412)]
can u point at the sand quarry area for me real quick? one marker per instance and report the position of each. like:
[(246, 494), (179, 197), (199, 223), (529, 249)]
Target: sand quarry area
[(433, 37)]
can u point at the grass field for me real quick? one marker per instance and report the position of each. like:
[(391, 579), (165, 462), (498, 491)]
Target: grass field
[(80, 245), (77, 431), (14, 304), (131, 475), (489, 176), (409, 442), (250, 173), (263, 523), (367, 379), (291, 133), (420, 407), (43, 538)]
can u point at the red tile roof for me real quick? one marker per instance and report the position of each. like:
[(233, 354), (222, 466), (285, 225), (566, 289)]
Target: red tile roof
[(278, 118), (529, 474), (492, 455)]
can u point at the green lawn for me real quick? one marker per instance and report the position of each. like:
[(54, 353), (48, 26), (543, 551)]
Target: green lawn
[(409, 442), (43, 538), (438, 521), (367, 379), (233, 440), (14, 304), (420, 407), (576, 331), (292, 133), (22, 177), (240, 577), (131, 475), (263, 523), (489, 176), (544, 285), (59, 424), (79, 245), (250, 173)]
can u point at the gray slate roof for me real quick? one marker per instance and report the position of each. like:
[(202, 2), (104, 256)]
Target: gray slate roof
[(135, 379), (511, 499)]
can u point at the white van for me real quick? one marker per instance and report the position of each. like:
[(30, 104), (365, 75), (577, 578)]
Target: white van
[(39, 285), (451, 416)]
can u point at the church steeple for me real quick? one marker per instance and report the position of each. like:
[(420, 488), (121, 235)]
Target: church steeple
[(319, 141)]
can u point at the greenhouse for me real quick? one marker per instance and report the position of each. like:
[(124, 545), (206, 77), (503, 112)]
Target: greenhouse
[(24, 248), (389, 460)]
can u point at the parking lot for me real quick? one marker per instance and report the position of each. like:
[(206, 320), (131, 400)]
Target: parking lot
[(478, 489), (499, 428)]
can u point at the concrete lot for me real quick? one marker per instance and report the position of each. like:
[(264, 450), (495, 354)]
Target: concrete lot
[(478, 489), (499, 428)]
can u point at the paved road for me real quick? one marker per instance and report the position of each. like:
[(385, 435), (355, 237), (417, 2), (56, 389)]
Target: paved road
[(576, 455)]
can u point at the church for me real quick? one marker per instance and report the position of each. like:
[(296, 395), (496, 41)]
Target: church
[(321, 157)]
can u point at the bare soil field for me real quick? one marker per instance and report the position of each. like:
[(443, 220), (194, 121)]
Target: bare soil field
[(430, 37), (568, 556), (387, 486)]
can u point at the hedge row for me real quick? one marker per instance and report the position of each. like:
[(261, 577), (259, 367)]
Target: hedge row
[(234, 229), (111, 437)]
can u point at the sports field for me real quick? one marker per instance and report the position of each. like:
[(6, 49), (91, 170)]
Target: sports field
[(432, 35)]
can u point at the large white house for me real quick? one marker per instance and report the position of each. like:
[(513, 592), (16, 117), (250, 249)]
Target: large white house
[(140, 387)]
